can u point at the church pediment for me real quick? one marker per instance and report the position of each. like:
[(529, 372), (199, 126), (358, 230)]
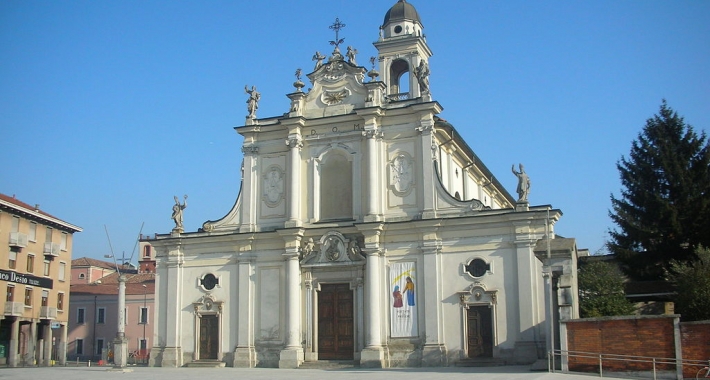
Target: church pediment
[(337, 86)]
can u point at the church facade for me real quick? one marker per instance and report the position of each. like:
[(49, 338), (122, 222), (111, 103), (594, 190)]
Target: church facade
[(365, 229)]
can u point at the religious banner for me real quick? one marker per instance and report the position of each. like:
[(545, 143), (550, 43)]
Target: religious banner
[(403, 299)]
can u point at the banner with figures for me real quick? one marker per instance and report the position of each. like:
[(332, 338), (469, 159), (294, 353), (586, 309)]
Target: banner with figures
[(403, 300)]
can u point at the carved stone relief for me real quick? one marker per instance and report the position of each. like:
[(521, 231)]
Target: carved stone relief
[(273, 185), (401, 174)]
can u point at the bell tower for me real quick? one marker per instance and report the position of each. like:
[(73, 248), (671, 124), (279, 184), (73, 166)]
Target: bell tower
[(404, 54)]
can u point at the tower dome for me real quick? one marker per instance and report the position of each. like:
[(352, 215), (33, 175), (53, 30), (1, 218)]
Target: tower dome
[(401, 11)]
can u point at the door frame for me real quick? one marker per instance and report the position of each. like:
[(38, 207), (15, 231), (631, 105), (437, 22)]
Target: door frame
[(468, 309), (208, 306), (316, 337)]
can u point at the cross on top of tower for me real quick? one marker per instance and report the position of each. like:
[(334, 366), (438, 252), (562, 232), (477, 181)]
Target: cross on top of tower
[(337, 25)]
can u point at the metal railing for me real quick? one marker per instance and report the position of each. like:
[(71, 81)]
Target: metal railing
[(634, 363)]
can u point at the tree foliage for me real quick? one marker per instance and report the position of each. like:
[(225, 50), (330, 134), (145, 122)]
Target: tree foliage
[(601, 290), (662, 214), (692, 282)]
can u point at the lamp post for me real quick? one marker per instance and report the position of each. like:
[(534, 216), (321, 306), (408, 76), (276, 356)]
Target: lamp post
[(144, 343)]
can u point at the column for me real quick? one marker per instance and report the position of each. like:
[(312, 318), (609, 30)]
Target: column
[(33, 354), (295, 144), (434, 350), (245, 354), (372, 171), (428, 148), (47, 346), (167, 335), (249, 183), (12, 355), (292, 355), (62, 345), (120, 344), (371, 209), (373, 354)]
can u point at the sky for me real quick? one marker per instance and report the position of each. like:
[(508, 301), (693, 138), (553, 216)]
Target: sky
[(109, 109)]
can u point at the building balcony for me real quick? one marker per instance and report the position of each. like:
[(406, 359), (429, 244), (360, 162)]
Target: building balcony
[(14, 309), (46, 312)]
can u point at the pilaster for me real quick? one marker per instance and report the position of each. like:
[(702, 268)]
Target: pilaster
[(245, 353), (434, 349), (292, 354)]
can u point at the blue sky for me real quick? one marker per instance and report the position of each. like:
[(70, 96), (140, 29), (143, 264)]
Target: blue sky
[(110, 108)]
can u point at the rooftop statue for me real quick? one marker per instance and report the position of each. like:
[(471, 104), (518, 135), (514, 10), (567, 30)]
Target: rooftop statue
[(177, 213), (523, 183), (422, 74), (253, 101), (351, 55), (318, 57)]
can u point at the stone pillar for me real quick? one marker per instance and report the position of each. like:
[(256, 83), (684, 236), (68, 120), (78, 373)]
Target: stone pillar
[(245, 354), (295, 144), (434, 349), (47, 346), (167, 342), (372, 189), (62, 345), (120, 343), (373, 354), (428, 149), (33, 354), (12, 355), (292, 354), (249, 183)]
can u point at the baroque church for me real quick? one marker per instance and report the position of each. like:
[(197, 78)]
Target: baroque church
[(365, 230)]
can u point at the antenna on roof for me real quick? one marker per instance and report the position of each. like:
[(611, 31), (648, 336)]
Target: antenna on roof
[(137, 239)]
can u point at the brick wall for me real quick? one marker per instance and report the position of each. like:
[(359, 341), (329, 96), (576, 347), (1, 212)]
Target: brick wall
[(638, 336), (695, 339)]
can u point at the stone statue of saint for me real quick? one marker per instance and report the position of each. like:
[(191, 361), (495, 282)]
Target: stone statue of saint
[(177, 213), (318, 57), (523, 183), (253, 101), (351, 55), (422, 74)]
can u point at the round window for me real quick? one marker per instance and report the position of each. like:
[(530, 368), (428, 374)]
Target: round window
[(477, 268), (398, 29), (209, 281)]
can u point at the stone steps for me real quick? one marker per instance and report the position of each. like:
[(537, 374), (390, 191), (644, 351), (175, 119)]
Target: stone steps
[(206, 364), (329, 364)]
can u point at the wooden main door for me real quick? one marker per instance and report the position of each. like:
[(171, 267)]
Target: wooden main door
[(209, 337), (480, 332), (335, 322)]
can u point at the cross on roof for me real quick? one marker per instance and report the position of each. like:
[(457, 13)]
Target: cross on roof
[(337, 25)]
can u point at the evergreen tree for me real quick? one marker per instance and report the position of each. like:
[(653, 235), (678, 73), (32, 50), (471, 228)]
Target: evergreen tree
[(663, 212), (692, 282), (601, 290)]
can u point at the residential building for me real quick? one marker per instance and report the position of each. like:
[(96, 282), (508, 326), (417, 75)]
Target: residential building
[(35, 255)]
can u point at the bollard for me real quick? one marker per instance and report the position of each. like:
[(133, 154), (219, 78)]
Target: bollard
[(89, 363)]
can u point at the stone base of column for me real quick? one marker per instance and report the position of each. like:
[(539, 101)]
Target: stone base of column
[(166, 357), (434, 356), (120, 352), (244, 357), (291, 358), (372, 358)]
